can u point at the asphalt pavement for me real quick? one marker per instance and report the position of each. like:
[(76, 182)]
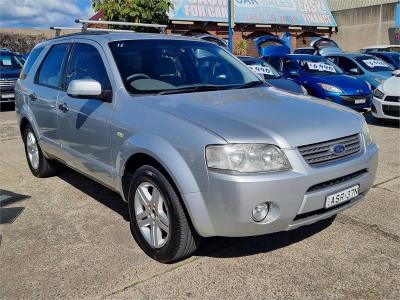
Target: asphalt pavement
[(69, 237)]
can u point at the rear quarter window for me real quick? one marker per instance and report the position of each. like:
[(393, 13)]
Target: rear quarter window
[(30, 61)]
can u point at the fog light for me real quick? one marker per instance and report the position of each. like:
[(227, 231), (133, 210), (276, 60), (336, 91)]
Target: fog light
[(260, 211)]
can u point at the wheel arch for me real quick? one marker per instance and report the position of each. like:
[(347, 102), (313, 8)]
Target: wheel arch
[(23, 124), (147, 148)]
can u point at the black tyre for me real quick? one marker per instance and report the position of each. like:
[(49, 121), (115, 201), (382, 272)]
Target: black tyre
[(158, 220), (40, 166)]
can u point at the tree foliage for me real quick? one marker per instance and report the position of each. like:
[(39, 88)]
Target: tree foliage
[(137, 11), (20, 42)]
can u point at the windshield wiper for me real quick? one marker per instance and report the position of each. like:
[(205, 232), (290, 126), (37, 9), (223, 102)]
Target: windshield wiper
[(194, 88), (249, 84)]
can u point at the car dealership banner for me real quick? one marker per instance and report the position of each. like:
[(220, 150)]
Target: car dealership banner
[(291, 12)]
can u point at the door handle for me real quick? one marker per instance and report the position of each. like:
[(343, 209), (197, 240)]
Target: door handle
[(63, 107), (33, 97)]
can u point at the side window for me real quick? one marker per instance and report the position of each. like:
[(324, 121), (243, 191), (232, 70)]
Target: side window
[(346, 64), (288, 65), (51, 70), (335, 60), (274, 61), (29, 62), (86, 63)]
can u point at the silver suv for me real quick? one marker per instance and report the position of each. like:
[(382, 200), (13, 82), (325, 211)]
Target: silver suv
[(196, 143)]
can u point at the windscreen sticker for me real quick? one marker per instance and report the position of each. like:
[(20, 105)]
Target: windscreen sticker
[(261, 70), (319, 66), (372, 63), (6, 62)]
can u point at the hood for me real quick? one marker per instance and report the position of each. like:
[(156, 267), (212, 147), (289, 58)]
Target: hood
[(348, 84), (285, 84), (382, 74), (262, 115), (9, 73), (391, 86)]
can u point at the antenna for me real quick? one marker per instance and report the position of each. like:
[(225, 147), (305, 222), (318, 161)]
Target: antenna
[(86, 22)]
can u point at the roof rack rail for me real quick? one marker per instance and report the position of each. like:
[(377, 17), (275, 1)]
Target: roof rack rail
[(86, 22)]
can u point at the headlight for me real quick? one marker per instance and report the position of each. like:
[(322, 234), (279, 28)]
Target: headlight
[(378, 93), (330, 88), (367, 135), (369, 85), (246, 158), (304, 90), (380, 80)]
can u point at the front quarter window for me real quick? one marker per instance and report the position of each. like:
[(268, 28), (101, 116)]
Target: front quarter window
[(155, 66)]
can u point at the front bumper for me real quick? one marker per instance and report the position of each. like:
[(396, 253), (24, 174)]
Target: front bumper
[(385, 110), (225, 208), (350, 100), (7, 94)]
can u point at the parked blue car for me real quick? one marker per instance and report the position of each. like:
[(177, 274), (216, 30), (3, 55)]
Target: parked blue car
[(392, 58), (364, 66), (261, 67), (321, 77)]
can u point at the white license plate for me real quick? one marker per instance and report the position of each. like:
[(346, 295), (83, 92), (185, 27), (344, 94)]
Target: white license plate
[(8, 96), (342, 196), (359, 101)]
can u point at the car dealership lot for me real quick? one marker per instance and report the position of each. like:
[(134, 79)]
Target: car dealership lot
[(72, 239)]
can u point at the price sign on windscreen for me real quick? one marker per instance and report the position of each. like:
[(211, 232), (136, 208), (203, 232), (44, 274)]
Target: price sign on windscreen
[(261, 70), (372, 63), (320, 66)]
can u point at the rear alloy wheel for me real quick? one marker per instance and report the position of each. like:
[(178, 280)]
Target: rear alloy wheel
[(158, 220), (39, 165)]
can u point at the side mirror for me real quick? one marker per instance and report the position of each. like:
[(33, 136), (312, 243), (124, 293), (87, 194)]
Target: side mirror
[(354, 71), (396, 72), (84, 88)]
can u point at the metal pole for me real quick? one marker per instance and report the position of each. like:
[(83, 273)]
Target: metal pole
[(231, 24)]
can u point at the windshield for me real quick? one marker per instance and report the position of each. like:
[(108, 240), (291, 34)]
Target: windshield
[(154, 66), (259, 66), (322, 66), (373, 64), (10, 61)]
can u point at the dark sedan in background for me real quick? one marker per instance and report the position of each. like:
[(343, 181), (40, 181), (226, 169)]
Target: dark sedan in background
[(261, 67), (10, 67)]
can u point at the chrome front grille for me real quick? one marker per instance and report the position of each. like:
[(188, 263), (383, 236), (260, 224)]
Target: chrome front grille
[(321, 153), (4, 83)]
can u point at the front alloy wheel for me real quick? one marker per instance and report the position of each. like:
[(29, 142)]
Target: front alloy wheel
[(151, 214), (159, 222)]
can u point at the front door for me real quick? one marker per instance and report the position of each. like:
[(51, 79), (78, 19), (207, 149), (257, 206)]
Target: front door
[(85, 123), (43, 100)]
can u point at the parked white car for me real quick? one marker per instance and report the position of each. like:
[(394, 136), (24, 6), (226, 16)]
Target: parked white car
[(386, 101)]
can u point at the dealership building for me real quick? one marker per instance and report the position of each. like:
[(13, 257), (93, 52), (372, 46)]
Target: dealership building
[(297, 21), (364, 23), (352, 23)]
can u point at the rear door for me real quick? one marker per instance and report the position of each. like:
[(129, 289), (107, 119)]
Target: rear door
[(43, 97), (325, 46), (271, 46), (85, 123)]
